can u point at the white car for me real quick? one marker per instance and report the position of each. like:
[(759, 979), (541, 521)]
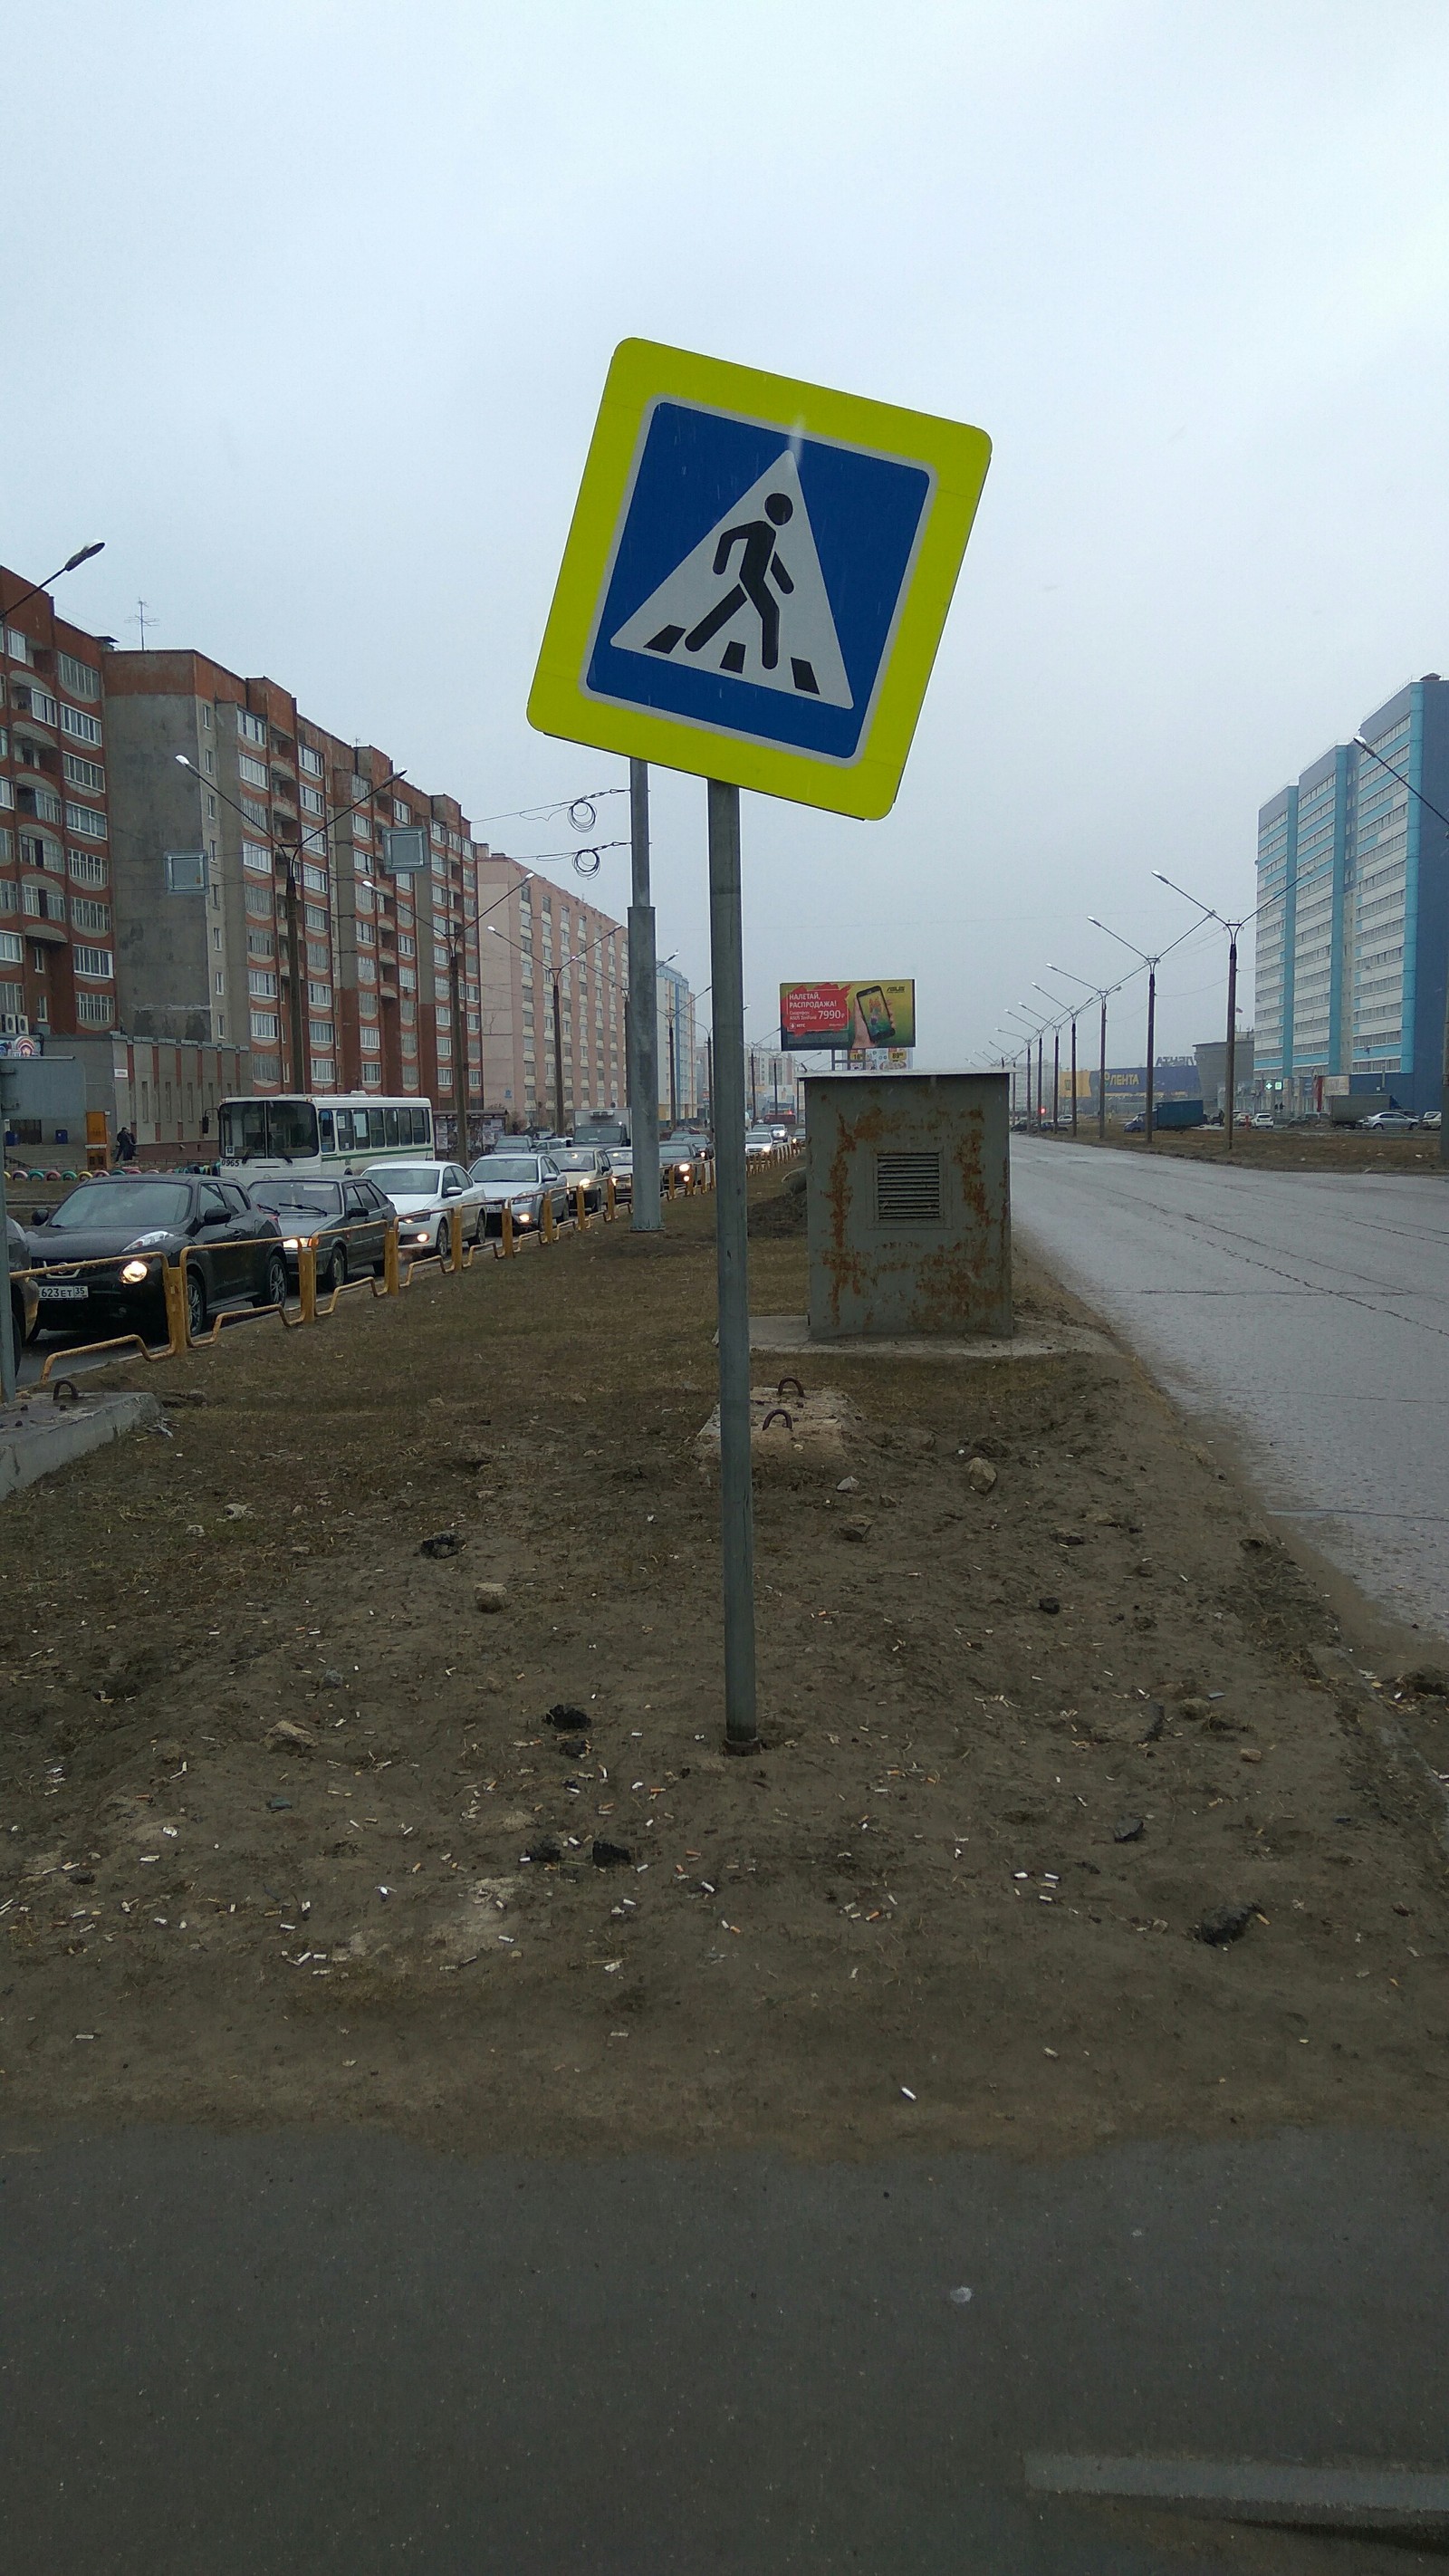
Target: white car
[(519, 1179), (759, 1141), (425, 1195)]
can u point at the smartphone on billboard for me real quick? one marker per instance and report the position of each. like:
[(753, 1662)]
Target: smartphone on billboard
[(875, 1011)]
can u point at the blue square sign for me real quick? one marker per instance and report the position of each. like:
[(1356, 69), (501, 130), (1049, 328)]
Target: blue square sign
[(757, 580)]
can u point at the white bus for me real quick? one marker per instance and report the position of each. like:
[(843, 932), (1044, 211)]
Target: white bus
[(300, 1133)]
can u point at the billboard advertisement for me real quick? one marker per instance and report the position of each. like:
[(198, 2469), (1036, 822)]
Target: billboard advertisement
[(878, 1014)]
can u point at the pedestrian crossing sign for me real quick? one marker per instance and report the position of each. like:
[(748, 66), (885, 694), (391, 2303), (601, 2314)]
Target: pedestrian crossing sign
[(756, 578)]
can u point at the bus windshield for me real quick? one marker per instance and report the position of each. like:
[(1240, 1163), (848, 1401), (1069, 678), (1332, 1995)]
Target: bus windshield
[(249, 1129)]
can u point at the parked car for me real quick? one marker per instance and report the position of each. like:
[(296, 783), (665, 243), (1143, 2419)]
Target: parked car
[(24, 1299), (234, 1250), (1390, 1122), (425, 1195), (520, 1181), (588, 1164), (347, 1222)]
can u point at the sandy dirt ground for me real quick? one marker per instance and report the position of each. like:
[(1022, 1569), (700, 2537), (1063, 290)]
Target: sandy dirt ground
[(288, 1833)]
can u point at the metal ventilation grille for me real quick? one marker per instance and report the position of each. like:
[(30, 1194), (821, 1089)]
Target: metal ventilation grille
[(908, 1189)]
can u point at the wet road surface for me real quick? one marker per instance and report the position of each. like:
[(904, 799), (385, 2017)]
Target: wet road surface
[(1310, 1313), (344, 2353)]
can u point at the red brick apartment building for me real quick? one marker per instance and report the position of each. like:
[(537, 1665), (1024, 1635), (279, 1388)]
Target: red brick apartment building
[(193, 876), (57, 944)]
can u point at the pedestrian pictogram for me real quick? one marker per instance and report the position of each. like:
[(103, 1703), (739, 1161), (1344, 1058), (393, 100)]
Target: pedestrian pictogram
[(756, 578), (750, 599)]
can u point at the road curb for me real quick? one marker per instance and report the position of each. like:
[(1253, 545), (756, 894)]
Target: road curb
[(36, 1439)]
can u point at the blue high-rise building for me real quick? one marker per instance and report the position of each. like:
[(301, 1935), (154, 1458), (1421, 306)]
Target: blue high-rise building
[(1353, 926)]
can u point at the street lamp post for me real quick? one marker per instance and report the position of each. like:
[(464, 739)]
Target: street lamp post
[(1232, 928), (1151, 964), (1072, 1008), (1101, 993)]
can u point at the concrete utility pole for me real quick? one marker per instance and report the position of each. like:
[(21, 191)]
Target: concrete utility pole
[(645, 1212), (460, 1056), (737, 1507), (555, 975)]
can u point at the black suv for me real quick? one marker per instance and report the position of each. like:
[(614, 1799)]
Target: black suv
[(131, 1227)]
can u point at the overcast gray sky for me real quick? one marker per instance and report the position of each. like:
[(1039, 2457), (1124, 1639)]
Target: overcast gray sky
[(307, 309)]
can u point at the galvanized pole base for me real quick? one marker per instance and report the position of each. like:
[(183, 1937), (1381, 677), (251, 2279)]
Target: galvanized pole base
[(737, 1510), (644, 1211)]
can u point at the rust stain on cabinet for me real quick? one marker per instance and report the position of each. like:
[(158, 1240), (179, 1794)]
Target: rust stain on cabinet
[(908, 1208)]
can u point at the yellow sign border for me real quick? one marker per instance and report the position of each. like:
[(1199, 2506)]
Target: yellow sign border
[(646, 371)]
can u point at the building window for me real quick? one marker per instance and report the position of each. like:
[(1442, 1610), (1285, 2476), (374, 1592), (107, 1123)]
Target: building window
[(400, 813), (318, 955), (254, 772), (320, 1033), (80, 726), (251, 728), (256, 858), (220, 981), (315, 879), (311, 761), (39, 704), (264, 1024), (260, 982), (81, 680), (84, 773), (316, 916), (324, 1073), (367, 970), (93, 961), (88, 867), (254, 813), (259, 943), (89, 916), (369, 1038), (320, 993), (372, 1075), (96, 1009), (12, 948), (311, 801)]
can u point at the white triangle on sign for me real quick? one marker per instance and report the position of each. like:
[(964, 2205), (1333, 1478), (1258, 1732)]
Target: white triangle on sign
[(749, 601)]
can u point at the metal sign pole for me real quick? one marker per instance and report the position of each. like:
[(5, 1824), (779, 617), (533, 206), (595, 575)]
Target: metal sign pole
[(645, 1214), (737, 1513)]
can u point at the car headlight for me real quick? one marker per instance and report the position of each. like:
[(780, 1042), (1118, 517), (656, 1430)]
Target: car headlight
[(134, 1272)]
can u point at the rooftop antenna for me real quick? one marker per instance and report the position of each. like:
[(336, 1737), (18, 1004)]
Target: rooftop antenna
[(143, 608)]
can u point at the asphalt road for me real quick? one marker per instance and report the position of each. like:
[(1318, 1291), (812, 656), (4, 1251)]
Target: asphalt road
[(1310, 1313), (342, 2353)]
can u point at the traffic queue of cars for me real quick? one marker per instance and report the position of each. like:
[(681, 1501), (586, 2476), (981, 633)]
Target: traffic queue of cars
[(97, 1258)]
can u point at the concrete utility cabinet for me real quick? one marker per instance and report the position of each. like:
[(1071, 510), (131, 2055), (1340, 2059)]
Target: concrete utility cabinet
[(907, 1204)]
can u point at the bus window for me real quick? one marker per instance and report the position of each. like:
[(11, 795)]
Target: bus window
[(422, 1131), (242, 1129), (375, 1137), (346, 1131), (389, 1120), (291, 1127), (324, 1120)]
